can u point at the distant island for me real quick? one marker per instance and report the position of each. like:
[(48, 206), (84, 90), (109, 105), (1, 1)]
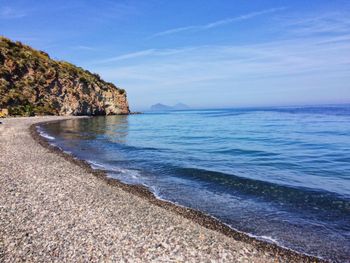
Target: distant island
[(163, 107)]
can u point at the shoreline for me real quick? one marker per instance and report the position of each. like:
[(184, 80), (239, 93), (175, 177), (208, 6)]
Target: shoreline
[(278, 252)]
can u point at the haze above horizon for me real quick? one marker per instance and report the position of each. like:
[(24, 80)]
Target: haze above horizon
[(204, 54)]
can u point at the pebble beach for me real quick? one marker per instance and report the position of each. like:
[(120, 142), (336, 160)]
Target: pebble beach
[(54, 210)]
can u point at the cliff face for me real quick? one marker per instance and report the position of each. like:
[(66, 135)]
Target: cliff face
[(31, 83)]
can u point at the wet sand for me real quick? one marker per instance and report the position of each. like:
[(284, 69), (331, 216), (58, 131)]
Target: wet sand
[(56, 208)]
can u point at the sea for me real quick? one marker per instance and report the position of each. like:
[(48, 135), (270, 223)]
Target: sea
[(280, 174)]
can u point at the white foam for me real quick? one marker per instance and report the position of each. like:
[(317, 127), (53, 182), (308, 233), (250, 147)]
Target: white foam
[(267, 238), (132, 174), (44, 134), (95, 165)]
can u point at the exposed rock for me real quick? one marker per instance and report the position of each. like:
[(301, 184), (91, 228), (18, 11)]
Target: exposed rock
[(4, 113), (31, 83)]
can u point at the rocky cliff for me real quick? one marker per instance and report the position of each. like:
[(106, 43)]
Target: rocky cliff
[(31, 83)]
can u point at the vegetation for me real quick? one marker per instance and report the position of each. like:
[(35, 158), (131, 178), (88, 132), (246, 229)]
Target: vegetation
[(30, 81)]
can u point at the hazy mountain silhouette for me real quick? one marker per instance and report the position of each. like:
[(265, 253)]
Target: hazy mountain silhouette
[(163, 107)]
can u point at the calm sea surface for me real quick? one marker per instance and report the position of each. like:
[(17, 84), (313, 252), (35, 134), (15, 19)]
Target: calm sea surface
[(280, 174)]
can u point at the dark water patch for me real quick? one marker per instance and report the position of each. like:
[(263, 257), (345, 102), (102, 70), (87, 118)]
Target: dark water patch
[(301, 198), (245, 152)]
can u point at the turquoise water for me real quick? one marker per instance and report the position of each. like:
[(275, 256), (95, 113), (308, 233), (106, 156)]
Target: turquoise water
[(280, 174)]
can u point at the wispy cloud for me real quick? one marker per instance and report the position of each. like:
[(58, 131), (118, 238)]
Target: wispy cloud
[(11, 13), (291, 65), (84, 48), (268, 60), (331, 23), (217, 23), (143, 53), (110, 10), (137, 54)]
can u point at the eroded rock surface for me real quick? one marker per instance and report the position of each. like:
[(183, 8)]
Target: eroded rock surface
[(31, 83)]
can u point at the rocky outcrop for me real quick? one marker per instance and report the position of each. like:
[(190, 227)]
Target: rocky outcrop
[(31, 83)]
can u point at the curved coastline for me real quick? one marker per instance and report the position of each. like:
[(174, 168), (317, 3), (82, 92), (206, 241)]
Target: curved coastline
[(283, 254)]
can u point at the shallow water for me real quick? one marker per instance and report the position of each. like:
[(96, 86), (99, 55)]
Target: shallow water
[(281, 174)]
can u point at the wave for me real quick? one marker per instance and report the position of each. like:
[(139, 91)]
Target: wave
[(115, 171), (294, 197), (44, 134)]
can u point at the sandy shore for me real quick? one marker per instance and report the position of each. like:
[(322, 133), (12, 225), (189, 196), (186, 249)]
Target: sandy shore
[(55, 208)]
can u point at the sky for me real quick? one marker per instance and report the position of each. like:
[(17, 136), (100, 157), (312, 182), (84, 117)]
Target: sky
[(206, 54)]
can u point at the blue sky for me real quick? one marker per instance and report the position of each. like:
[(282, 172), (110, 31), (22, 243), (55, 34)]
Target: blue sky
[(202, 53)]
